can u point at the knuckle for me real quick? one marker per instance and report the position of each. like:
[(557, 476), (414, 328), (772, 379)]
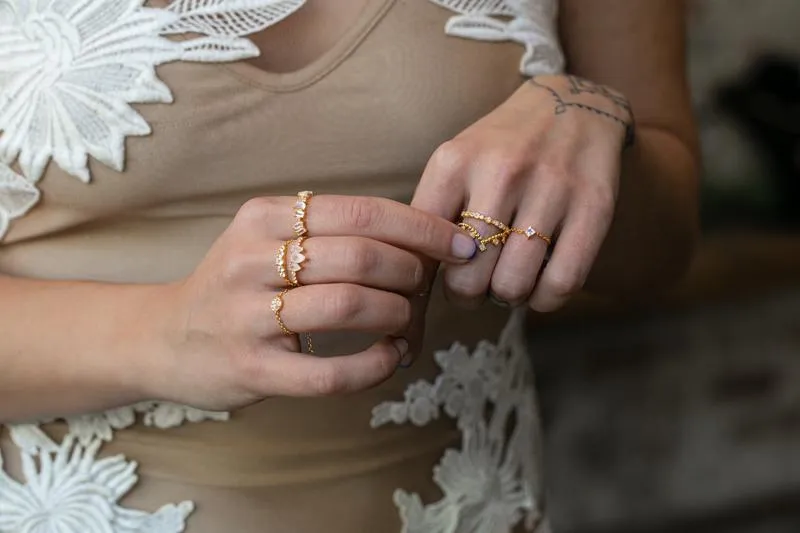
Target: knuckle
[(602, 199), (362, 213), (361, 260), (326, 380), (506, 166), (553, 171), (466, 287), (256, 209), (562, 286), (450, 156), (343, 304), (511, 289)]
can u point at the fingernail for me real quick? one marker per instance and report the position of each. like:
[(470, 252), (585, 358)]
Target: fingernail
[(497, 301), (401, 345), (464, 246)]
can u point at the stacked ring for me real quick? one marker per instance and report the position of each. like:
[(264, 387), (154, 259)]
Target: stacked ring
[(280, 262), (496, 239), (295, 257), (289, 260), (300, 213)]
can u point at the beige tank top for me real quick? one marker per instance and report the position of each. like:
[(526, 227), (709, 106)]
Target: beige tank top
[(362, 119)]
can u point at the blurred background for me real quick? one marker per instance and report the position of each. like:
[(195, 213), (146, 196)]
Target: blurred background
[(684, 415)]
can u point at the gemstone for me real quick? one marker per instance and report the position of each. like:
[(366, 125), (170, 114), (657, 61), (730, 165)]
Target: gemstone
[(530, 232), (277, 304)]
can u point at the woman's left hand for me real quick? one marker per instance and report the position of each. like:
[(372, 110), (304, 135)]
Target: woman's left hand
[(548, 159)]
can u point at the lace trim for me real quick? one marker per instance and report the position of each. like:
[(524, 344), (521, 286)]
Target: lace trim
[(531, 23), (68, 489), (491, 483), (70, 69)]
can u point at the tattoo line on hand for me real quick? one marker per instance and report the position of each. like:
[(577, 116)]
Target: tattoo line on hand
[(578, 86)]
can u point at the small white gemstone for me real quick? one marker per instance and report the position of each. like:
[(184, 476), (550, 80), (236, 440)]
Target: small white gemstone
[(277, 303), (530, 232)]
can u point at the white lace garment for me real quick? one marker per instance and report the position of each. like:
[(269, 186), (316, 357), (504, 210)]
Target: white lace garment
[(69, 70)]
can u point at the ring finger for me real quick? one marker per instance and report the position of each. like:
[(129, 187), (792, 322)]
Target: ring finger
[(539, 214), (468, 284)]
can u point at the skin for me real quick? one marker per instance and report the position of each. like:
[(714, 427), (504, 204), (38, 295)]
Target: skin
[(625, 222), (210, 340), (552, 157)]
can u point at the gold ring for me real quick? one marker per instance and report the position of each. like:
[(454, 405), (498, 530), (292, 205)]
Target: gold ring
[(277, 306), (300, 213), (530, 233), (295, 257), (474, 233), (497, 239), (280, 262), (485, 218)]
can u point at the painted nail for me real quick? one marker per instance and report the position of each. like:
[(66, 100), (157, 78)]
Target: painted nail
[(464, 246), (401, 345)]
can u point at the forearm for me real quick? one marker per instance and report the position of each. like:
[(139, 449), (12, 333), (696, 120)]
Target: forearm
[(69, 347), (655, 229)]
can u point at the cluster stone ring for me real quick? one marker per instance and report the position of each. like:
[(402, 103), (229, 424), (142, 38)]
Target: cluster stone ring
[(300, 226), (289, 260)]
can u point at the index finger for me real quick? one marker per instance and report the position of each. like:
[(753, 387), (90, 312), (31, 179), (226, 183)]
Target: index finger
[(390, 222)]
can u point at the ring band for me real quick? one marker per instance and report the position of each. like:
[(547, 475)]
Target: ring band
[(485, 218), (280, 262), (497, 239), (301, 213), (277, 307), (530, 233)]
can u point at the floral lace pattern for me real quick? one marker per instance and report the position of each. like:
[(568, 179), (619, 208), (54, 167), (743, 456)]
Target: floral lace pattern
[(69, 72), (531, 23), (72, 491), (491, 483)]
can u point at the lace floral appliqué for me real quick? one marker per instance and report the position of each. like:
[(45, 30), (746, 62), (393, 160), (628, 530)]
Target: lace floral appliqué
[(491, 483), (532, 23), (69, 70), (69, 490)]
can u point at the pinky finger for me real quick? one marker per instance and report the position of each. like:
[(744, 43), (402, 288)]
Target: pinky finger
[(301, 375)]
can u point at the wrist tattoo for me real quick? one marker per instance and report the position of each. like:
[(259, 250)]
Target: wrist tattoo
[(577, 86)]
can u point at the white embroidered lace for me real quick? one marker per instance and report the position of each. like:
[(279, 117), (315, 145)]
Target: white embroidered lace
[(531, 23), (71, 491), (69, 70), (491, 483)]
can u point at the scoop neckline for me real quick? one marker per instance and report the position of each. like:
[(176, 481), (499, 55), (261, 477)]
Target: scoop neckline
[(320, 67)]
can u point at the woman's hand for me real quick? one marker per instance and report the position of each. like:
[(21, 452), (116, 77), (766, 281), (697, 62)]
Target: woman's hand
[(546, 159), (223, 347)]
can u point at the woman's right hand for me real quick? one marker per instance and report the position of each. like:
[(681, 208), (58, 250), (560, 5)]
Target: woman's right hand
[(220, 346)]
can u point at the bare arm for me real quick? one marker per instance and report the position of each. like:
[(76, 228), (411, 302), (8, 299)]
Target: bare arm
[(638, 49), (214, 340), (71, 347)]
